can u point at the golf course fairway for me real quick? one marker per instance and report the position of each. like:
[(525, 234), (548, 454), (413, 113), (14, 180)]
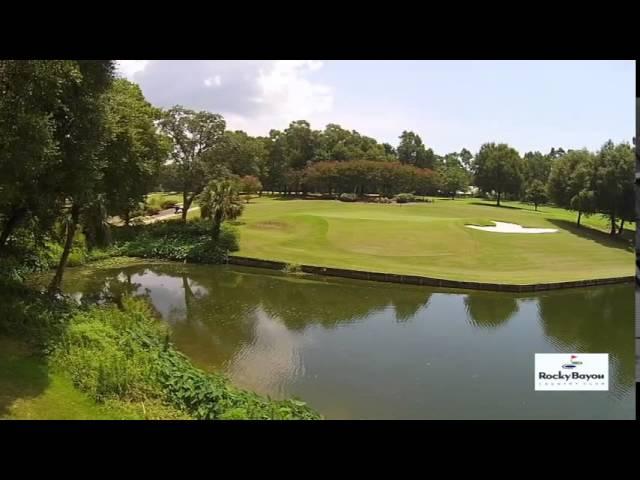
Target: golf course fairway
[(430, 239)]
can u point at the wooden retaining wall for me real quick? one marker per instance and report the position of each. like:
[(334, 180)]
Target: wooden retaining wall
[(427, 281)]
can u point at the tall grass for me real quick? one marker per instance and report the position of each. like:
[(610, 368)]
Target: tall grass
[(125, 354)]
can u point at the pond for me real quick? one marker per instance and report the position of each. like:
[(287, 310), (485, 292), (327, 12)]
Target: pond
[(364, 350)]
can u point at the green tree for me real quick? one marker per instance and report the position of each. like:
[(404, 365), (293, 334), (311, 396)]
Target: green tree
[(390, 152), (168, 179), (452, 176), (536, 166), (220, 201), (337, 144), (276, 168), (556, 153), (241, 153), (81, 129), (31, 99), (134, 150), (300, 144), (250, 185), (466, 158), (497, 167), (536, 193), (412, 151), (570, 182), (194, 136), (614, 176)]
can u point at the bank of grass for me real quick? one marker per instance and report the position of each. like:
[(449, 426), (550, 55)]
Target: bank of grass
[(60, 360), (31, 390), (430, 239)]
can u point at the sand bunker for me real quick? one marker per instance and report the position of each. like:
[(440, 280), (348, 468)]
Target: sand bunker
[(502, 227)]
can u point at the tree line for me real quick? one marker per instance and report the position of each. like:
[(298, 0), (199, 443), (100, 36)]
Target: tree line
[(78, 145), (586, 182)]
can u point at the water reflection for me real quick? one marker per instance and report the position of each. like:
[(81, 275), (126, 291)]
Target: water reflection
[(490, 310), (597, 323), (371, 350)]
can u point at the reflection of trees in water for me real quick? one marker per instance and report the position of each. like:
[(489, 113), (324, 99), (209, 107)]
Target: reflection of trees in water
[(300, 303), (103, 287), (297, 302), (220, 325), (593, 320), (220, 309), (212, 324), (407, 307), (490, 310)]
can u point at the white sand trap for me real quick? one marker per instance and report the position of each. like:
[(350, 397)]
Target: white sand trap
[(502, 227)]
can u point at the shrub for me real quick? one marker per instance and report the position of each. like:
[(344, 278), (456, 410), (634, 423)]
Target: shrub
[(174, 240), (292, 268), (125, 354), (151, 210), (167, 204), (348, 197), (405, 198), (31, 315)]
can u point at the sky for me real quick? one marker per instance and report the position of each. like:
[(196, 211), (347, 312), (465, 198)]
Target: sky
[(531, 105)]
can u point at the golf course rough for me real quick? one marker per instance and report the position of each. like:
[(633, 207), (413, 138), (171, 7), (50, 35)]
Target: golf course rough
[(431, 240)]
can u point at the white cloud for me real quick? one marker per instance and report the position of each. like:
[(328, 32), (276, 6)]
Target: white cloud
[(253, 95), (211, 81), (285, 90), (129, 68)]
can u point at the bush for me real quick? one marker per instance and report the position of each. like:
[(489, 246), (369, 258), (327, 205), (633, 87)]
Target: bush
[(405, 198), (126, 355), (151, 210), (174, 240), (31, 315), (292, 268), (348, 197), (167, 204)]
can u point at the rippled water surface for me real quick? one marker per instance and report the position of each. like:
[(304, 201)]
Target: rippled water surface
[(355, 349)]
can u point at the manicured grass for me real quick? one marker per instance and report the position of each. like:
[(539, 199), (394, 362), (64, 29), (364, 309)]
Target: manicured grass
[(432, 240)]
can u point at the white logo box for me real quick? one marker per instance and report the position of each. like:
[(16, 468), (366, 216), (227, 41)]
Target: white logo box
[(571, 372)]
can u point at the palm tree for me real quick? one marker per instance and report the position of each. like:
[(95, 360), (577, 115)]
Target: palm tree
[(220, 201)]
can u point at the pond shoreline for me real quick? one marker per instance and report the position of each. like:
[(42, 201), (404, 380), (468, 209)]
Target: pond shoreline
[(426, 281)]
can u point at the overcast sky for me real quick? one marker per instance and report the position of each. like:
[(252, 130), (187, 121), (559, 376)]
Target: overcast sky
[(532, 105)]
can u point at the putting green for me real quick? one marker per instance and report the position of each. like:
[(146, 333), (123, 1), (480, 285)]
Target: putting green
[(430, 239)]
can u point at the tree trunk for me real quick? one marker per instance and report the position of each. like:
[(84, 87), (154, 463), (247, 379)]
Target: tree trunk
[(579, 215), (54, 286), (127, 218), (613, 224), (498, 199), (217, 223), (621, 227), (186, 204), (535, 206), (10, 225)]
